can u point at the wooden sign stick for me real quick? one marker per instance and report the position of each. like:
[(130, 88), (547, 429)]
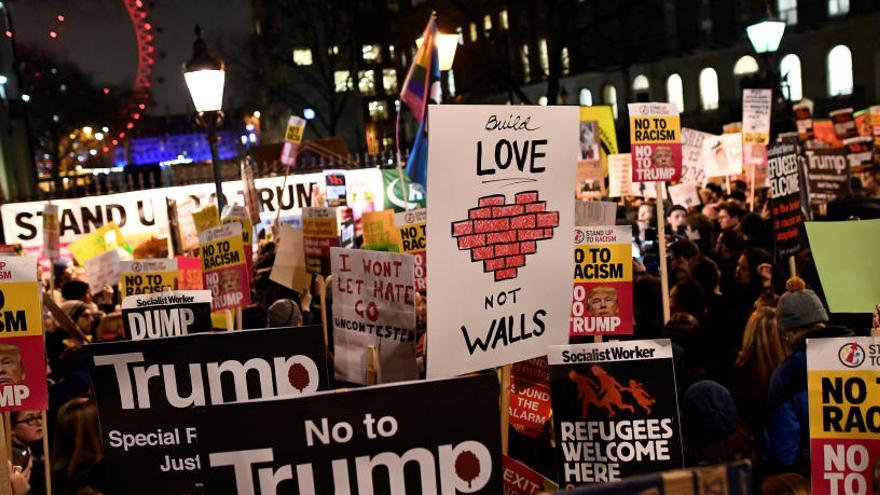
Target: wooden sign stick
[(47, 465), (372, 362), (505, 408), (661, 240), (752, 187), (322, 284), (7, 429), (228, 314), (792, 266), (5, 480)]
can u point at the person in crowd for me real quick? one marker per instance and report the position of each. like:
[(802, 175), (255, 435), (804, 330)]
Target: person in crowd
[(27, 442), (689, 297), (755, 274), (786, 484), (76, 452), (712, 430), (800, 315), (676, 217), (701, 230), (645, 220), (727, 250), (82, 314), (729, 215), (284, 313), (680, 253), (738, 197), (685, 331), (110, 328), (755, 231), (648, 307)]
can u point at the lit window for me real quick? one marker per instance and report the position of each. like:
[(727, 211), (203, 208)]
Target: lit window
[(302, 56), (372, 53), (709, 89), (542, 100), (790, 69), (391, 51), (745, 65), (675, 92), (450, 80), (342, 81), (566, 61), (460, 35), (502, 19), (487, 25), (787, 11), (473, 29), (367, 82), (585, 99), (378, 110), (609, 97), (838, 7), (526, 65), (333, 50), (543, 57), (640, 83), (840, 77), (389, 80)]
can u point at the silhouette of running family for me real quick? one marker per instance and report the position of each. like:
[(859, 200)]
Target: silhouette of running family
[(608, 393)]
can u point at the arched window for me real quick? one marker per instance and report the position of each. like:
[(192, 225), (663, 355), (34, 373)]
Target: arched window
[(586, 98), (675, 91), (641, 88), (840, 76), (790, 69), (708, 89), (609, 97), (745, 65)]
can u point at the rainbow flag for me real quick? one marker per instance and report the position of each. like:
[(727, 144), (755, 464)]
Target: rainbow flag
[(418, 80)]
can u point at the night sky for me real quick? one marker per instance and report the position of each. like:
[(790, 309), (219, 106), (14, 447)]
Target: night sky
[(97, 35)]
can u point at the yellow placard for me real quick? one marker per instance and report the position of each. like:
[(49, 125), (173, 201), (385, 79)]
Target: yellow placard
[(412, 238), (842, 403), (106, 238), (206, 218), (131, 283), (379, 230), (325, 228), (20, 314), (603, 263), (761, 138), (223, 252), (655, 129)]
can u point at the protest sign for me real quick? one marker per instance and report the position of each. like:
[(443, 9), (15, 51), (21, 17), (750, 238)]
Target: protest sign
[(106, 238), (620, 175), (684, 194), (588, 213), (755, 156), (224, 266), (422, 437), (615, 410), (186, 227), (391, 188), (411, 228), (51, 231), (324, 228), (844, 123), (828, 175), (373, 305), (602, 298), (102, 270), (293, 137), (589, 132), (334, 181), (501, 295), (692, 171), (803, 114), (237, 213), (379, 231), (844, 393), (520, 479), (843, 252), (206, 218), (166, 314), (734, 478), (722, 155), (249, 190), (655, 134), (529, 391), (189, 273), (289, 268), (23, 384), (590, 180), (603, 116), (147, 392), (756, 116), (146, 276), (787, 188), (860, 153)]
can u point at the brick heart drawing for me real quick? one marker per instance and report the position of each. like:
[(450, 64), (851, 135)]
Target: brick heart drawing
[(501, 235)]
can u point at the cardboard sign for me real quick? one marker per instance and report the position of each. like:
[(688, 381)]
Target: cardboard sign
[(587, 213), (604, 117), (373, 304), (289, 268), (102, 270), (147, 276), (335, 187), (166, 314), (391, 440), (324, 228), (293, 136), (787, 188), (861, 153), (755, 159), (722, 155), (844, 123), (828, 175), (756, 116), (206, 218), (189, 273), (23, 382), (803, 114), (692, 171), (106, 238), (51, 232), (839, 249), (224, 266), (620, 175), (615, 410), (412, 228), (655, 134), (590, 180), (379, 231), (249, 190), (844, 394), (506, 237), (520, 479), (684, 194), (530, 406), (602, 301), (148, 418)]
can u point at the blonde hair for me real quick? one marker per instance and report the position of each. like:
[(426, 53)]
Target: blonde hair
[(762, 345)]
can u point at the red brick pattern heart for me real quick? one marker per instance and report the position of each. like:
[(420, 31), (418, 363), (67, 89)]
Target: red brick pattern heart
[(501, 235)]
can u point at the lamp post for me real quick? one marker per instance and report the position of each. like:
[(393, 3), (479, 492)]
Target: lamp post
[(205, 77), (765, 36)]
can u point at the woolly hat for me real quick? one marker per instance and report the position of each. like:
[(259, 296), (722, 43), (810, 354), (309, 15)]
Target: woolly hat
[(799, 307), (708, 412), (283, 313), (74, 309)]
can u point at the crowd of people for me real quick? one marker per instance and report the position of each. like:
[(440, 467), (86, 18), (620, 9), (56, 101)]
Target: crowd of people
[(738, 326)]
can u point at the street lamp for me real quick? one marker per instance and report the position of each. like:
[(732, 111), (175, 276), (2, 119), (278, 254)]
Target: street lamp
[(446, 45), (766, 35), (205, 77)]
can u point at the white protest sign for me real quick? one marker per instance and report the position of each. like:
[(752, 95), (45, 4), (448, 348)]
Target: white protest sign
[(692, 171), (373, 304), (289, 268), (500, 183), (684, 195), (756, 116), (722, 155), (620, 175), (103, 270), (166, 314)]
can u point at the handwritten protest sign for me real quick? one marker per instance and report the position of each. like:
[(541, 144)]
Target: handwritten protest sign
[(373, 304), (787, 189), (844, 394), (166, 314), (595, 213), (530, 406), (840, 248), (146, 276), (224, 266), (620, 175), (102, 270), (655, 134), (602, 300), (684, 194), (504, 245), (828, 174), (51, 232), (23, 385), (391, 440), (615, 410), (106, 238), (148, 425), (411, 227), (756, 116), (722, 155), (692, 170)]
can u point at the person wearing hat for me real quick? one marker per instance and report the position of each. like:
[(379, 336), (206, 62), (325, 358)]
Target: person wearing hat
[(82, 314), (800, 316), (712, 430), (284, 313)]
